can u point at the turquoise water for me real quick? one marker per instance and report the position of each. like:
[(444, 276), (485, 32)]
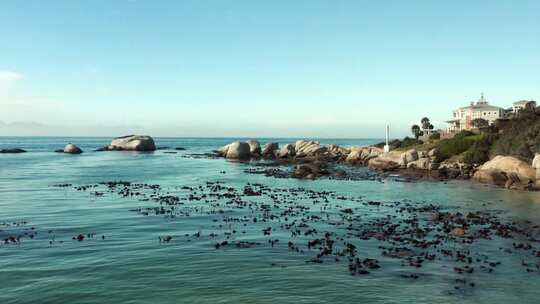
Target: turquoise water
[(131, 265)]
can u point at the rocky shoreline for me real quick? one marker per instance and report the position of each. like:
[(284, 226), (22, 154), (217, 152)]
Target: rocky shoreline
[(313, 160)]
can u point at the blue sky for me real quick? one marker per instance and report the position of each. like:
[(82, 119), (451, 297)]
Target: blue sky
[(259, 68)]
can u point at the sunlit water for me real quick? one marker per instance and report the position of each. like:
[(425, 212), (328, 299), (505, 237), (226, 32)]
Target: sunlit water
[(131, 266)]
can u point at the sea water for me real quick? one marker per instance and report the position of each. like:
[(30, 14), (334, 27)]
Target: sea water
[(130, 264)]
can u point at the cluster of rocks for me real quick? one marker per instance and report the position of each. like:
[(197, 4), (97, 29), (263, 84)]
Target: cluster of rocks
[(125, 143), (251, 149), (312, 159)]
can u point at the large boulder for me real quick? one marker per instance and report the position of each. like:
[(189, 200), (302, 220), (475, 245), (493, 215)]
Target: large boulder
[(223, 150), (254, 147), (12, 150), (72, 149), (386, 161), (287, 151), (506, 171), (238, 150), (421, 163), (270, 150), (411, 155), (536, 166), (355, 157), (308, 148), (435, 155), (132, 143)]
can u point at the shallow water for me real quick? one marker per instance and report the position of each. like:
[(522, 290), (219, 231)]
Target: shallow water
[(131, 265)]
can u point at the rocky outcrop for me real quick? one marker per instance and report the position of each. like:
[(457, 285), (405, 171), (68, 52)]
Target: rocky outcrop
[(536, 167), (270, 150), (506, 171), (72, 149), (12, 150), (409, 156), (361, 155), (131, 143), (254, 147), (386, 161), (305, 148), (238, 150), (287, 151)]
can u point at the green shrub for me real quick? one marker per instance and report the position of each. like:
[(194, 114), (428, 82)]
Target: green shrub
[(464, 133), (457, 145), (405, 142), (408, 142), (522, 137), (478, 153)]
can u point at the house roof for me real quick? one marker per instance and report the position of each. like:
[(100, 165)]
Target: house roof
[(482, 107), (522, 102)]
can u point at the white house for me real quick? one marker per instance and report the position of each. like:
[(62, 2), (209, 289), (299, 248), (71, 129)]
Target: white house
[(522, 104), (463, 117)]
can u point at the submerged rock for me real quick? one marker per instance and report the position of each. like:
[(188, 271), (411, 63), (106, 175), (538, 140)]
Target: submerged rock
[(12, 150)]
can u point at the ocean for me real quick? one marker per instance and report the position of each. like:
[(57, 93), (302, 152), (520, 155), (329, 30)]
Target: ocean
[(195, 229)]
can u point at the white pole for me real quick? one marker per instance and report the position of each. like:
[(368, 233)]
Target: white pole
[(387, 146)]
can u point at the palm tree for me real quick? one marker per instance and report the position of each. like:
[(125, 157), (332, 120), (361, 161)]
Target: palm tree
[(415, 130), (425, 124)]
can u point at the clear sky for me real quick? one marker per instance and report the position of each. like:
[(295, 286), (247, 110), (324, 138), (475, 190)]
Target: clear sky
[(258, 68)]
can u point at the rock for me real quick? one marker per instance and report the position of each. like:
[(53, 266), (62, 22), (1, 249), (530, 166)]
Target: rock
[(310, 170), (386, 161), (457, 232), (308, 148), (132, 143), (411, 155), (355, 157), (223, 150), (238, 150), (287, 151), (536, 166), (340, 173), (536, 161), (270, 150), (501, 169), (12, 150), (180, 148), (337, 150), (72, 149), (435, 155), (422, 163), (254, 147), (360, 155)]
